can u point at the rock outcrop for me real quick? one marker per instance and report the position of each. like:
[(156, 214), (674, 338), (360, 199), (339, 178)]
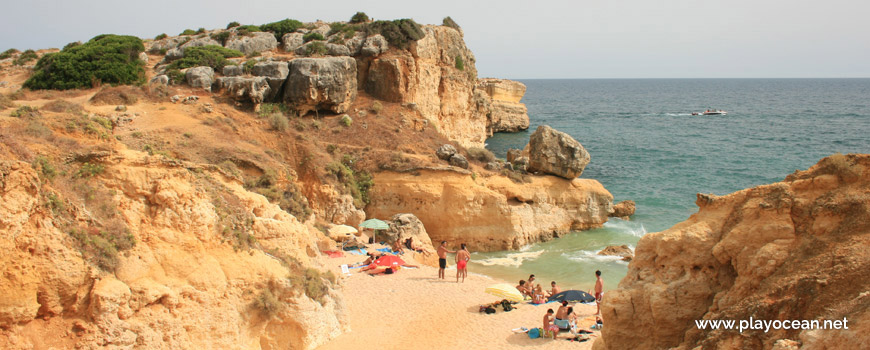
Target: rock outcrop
[(321, 83), (491, 213), (292, 41), (253, 89), (623, 251), (555, 152), (792, 250), (200, 77), (507, 114), (179, 286), (623, 209), (253, 43)]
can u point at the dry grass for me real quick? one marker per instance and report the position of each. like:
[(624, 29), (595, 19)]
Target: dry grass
[(118, 95), (63, 106)]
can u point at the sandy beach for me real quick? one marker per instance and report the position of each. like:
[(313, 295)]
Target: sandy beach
[(413, 309)]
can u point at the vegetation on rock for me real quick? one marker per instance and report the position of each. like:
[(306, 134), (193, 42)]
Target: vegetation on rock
[(161, 36), (188, 32), (282, 27), (8, 53), (399, 33), (449, 22), (359, 17), (112, 59), (233, 24), (312, 36), (25, 57), (212, 56)]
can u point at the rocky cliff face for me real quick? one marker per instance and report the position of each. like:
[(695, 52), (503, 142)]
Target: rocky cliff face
[(506, 114), (491, 213), (793, 250), (182, 285)]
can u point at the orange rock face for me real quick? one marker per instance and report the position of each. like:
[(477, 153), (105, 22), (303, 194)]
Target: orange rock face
[(793, 250)]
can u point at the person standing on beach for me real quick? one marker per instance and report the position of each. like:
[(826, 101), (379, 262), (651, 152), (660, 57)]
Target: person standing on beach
[(531, 282), (599, 291), (442, 258), (462, 258)]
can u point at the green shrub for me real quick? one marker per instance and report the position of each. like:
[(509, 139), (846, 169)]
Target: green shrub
[(88, 170), (356, 183), (25, 112), (72, 45), (347, 30), (175, 76), (8, 53), (103, 245), (45, 168), (316, 48), (346, 120), (233, 24), (279, 122), (459, 64), (399, 33), (377, 107), (312, 282), (54, 203), (188, 32), (282, 27), (161, 36), (312, 36), (293, 202), (249, 65), (267, 109), (212, 55), (25, 57), (200, 30), (449, 22), (107, 58), (359, 17), (248, 29), (230, 168), (221, 37), (268, 304), (481, 154)]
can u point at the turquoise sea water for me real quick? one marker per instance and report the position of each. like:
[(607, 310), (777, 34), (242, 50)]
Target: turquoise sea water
[(646, 146)]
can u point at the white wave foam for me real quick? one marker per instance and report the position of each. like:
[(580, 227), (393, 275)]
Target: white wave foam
[(511, 259), (626, 227), (592, 256), (677, 114)]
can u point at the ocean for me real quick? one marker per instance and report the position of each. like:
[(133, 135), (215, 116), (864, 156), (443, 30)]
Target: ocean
[(646, 146)]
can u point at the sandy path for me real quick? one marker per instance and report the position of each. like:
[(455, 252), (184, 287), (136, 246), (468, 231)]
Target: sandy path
[(414, 310)]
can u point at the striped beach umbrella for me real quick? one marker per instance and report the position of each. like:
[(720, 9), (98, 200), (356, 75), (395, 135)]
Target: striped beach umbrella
[(505, 291)]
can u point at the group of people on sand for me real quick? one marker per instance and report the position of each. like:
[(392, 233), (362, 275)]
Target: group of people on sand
[(462, 258), (564, 317)]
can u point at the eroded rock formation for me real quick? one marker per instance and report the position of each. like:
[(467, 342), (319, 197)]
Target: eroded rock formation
[(555, 152), (792, 250), (321, 83), (491, 213), (507, 114)]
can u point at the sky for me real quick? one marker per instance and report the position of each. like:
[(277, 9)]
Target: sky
[(525, 39)]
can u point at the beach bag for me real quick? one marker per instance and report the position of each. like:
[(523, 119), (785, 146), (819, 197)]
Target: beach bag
[(506, 305), (489, 310), (534, 333)]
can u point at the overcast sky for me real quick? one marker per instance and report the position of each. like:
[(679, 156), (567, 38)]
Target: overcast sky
[(526, 39)]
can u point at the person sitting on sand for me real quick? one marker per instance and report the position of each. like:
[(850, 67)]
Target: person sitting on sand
[(561, 319), (524, 289), (572, 319), (409, 243), (548, 323), (555, 289), (538, 296), (397, 246)]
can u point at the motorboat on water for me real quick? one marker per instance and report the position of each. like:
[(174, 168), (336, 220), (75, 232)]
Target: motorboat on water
[(711, 112)]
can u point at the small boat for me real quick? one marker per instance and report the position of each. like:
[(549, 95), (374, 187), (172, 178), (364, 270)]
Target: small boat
[(711, 112)]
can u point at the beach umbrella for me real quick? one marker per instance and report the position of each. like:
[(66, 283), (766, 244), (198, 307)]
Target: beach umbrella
[(573, 296), (374, 224), (341, 230), (505, 291), (389, 260)]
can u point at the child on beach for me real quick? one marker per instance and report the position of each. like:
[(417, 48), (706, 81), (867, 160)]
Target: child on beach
[(548, 324)]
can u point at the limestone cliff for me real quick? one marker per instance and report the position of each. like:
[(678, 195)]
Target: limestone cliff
[(491, 213), (183, 284), (793, 250), (506, 114)]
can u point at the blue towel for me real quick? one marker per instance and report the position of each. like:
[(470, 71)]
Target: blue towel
[(358, 252), (385, 250)]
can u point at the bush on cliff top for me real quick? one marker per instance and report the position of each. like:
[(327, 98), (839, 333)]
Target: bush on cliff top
[(400, 33), (282, 27), (212, 55), (359, 17), (8, 53), (107, 58), (312, 36), (449, 22), (25, 57)]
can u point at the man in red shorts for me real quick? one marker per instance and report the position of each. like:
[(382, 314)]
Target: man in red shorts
[(462, 258)]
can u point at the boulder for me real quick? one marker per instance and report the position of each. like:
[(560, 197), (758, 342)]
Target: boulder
[(305, 49), (521, 163), (513, 154), (493, 166), (337, 50), (253, 89), (388, 77), (506, 113), (375, 45), (164, 45), (275, 73), (321, 83), (143, 57), (201, 77), (233, 71), (173, 54), (198, 42), (459, 160), (162, 79), (623, 209), (321, 29), (355, 44), (292, 41), (445, 151), (623, 251), (557, 153), (254, 42)]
